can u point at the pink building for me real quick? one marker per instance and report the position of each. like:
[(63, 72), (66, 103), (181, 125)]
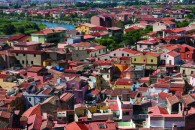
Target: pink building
[(39, 73), (104, 20)]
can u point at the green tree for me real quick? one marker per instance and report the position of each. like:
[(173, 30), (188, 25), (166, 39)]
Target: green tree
[(120, 24), (9, 29)]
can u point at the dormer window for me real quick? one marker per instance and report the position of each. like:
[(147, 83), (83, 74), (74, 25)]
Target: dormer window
[(102, 126)]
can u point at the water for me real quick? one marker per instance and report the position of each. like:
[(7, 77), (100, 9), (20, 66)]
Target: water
[(53, 25)]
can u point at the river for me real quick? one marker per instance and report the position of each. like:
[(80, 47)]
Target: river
[(52, 25)]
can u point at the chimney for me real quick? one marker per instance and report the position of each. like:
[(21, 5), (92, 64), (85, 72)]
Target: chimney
[(174, 127)]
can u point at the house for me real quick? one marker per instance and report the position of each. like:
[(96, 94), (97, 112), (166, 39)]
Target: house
[(106, 125), (187, 70), (105, 20), (52, 35), (158, 117), (78, 87), (147, 44), (187, 52), (122, 52), (163, 25), (27, 46), (188, 101), (85, 50), (29, 57), (18, 38), (85, 28), (174, 105), (170, 58), (123, 83), (149, 59)]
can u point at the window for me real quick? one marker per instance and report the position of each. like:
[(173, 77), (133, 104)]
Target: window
[(122, 54), (183, 71), (22, 61), (149, 46), (107, 76), (102, 126), (134, 59), (164, 55), (126, 113), (127, 54), (140, 46), (23, 54), (32, 62), (34, 55), (77, 55), (16, 54), (29, 99), (114, 54), (151, 60), (26, 62), (192, 72), (188, 55)]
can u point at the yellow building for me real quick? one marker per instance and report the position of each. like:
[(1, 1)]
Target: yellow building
[(149, 59), (85, 28)]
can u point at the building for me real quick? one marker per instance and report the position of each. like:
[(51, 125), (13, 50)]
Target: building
[(85, 28), (52, 35), (29, 57), (104, 20), (148, 59)]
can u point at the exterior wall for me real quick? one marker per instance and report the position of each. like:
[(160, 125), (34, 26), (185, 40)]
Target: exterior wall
[(192, 81), (35, 47), (38, 38), (32, 100), (150, 61), (156, 122), (187, 71), (98, 52), (159, 26), (79, 55), (83, 28), (95, 20), (120, 53), (27, 59)]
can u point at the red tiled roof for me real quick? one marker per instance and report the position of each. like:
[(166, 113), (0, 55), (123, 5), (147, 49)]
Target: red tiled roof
[(172, 100), (152, 54), (27, 51), (95, 91), (156, 110), (2, 76), (5, 114), (113, 105), (124, 82), (100, 28), (16, 37), (64, 97), (76, 126), (188, 99), (161, 85), (32, 110), (35, 69), (163, 95), (173, 54)]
